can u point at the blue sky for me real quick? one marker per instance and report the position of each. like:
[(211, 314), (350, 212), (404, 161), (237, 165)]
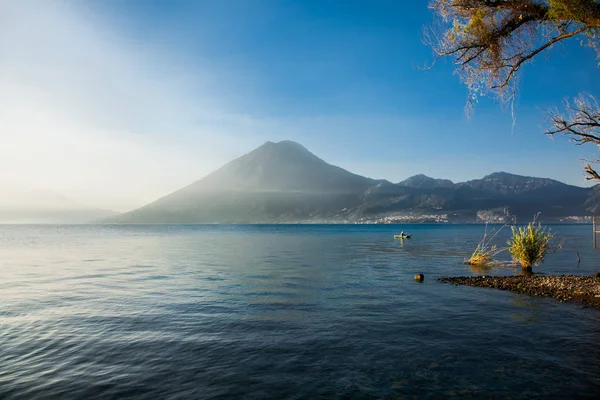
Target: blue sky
[(181, 87)]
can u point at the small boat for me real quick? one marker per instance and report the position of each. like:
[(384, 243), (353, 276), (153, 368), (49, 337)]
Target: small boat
[(402, 236)]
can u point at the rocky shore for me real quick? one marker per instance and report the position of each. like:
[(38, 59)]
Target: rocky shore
[(581, 289)]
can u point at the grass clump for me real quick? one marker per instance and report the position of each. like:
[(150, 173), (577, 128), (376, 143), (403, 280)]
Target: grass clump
[(529, 245), (482, 256), (485, 253)]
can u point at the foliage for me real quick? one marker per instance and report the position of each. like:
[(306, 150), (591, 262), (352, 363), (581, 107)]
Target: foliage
[(482, 256), (485, 253), (490, 40), (528, 246)]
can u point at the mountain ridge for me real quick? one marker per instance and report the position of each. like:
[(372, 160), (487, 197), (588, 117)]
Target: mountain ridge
[(425, 182), (284, 182)]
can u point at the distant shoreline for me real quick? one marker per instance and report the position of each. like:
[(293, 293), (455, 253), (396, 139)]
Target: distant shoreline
[(337, 223), (285, 223)]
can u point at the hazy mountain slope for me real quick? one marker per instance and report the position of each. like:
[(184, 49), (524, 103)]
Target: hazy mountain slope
[(82, 216), (45, 207), (277, 182), (283, 166), (284, 182)]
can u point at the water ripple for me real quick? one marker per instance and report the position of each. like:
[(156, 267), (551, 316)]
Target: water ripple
[(298, 312)]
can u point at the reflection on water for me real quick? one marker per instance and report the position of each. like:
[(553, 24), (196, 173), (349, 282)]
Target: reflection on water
[(482, 269), (281, 312), (528, 309)]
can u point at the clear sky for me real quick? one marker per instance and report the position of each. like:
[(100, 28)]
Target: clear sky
[(118, 102)]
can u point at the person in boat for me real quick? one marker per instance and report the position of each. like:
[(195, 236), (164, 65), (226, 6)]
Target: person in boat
[(402, 234)]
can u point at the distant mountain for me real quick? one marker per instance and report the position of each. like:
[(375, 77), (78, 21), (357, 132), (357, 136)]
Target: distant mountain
[(505, 183), (525, 195), (284, 166), (285, 183), (277, 182), (424, 182), (46, 207), (592, 202)]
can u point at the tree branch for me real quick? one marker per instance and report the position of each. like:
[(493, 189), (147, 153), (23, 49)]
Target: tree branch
[(529, 56)]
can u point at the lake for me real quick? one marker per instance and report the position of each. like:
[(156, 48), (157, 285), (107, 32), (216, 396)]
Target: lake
[(283, 312)]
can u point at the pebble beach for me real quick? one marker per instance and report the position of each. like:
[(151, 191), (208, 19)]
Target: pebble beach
[(580, 289)]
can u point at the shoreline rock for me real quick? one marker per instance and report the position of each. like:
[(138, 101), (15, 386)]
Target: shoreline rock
[(581, 289)]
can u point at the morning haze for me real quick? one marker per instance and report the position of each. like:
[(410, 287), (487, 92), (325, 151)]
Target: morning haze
[(116, 105)]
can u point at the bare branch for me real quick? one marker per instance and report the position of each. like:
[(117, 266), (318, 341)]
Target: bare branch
[(522, 59), (581, 123), (592, 174)]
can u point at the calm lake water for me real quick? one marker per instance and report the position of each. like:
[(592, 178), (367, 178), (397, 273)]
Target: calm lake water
[(282, 312)]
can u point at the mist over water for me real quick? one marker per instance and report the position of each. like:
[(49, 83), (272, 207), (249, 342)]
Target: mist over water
[(187, 311)]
